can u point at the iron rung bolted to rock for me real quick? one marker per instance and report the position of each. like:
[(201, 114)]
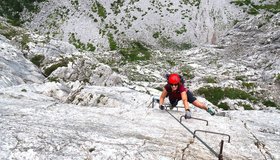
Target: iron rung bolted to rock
[(195, 119), (220, 156), (212, 133), (221, 150)]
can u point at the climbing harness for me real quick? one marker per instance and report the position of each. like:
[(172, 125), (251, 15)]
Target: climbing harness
[(218, 155)]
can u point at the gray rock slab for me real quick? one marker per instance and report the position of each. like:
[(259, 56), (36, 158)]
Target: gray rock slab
[(44, 128)]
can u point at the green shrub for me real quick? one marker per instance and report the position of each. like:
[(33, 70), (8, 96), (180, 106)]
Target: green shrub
[(269, 103), (37, 59), (277, 78), (234, 93), (112, 42), (76, 42), (11, 9), (181, 30), (241, 2), (2, 26), (240, 78), (245, 106), (136, 52), (25, 40), (274, 8), (248, 85), (8, 31), (90, 47), (79, 45), (167, 43), (185, 46), (215, 94), (9, 34), (188, 72), (53, 67), (75, 3), (156, 35), (171, 63), (254, 9), (53, 79), (116, 6), (235, 22), (210, 80), (192, 2), (212, 94), (223, 106), (101, 11)]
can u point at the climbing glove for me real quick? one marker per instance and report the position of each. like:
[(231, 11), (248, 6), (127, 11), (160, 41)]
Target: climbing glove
[(188, 114), (161, 107)]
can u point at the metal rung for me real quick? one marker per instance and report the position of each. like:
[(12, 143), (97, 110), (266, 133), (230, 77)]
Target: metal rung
[(194, 118), (215, 153), (221, 150), (220, 156), (212, 133)]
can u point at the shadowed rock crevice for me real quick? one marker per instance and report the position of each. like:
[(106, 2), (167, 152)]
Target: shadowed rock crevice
[(259, 144)]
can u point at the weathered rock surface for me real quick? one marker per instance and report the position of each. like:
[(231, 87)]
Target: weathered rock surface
[(118, 125), (15, 69), (254, 45)]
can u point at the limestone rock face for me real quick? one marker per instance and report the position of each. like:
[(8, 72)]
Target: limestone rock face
[(254, 44), (114, 122), (15, 68)]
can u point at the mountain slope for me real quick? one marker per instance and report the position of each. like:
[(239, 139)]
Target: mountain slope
[(72, 119), (162, 24)]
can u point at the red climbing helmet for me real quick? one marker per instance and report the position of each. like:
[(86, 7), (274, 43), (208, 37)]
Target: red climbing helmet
[(174, 78)]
